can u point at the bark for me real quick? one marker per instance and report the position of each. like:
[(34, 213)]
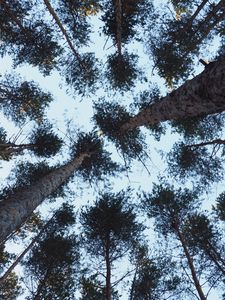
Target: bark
[(190, 263), (108, 271), (63, 30), (15, 209), (11, 148), (119, 26), (201, 96), (213, 142), (21, 256)]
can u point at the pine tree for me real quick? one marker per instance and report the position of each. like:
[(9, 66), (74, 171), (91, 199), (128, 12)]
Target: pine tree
[(110, 231)]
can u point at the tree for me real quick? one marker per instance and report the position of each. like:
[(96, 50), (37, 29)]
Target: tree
[(22, 100), (53, 262), (194, 98), (20, 203), (110, 230), (180, 39), (170, 208), (10, 288)]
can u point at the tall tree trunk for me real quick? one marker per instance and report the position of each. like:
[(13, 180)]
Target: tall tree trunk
[(108, 271), (63, 30), (15, 209), (21, 256), (190, 263), (203, 95)]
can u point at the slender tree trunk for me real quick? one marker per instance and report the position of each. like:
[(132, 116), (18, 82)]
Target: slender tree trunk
[(213, 142), (118, 10), (195, 14), (21, 256), (203, 95), (190, 263), (63, 30), (15, 209), (108, 271)]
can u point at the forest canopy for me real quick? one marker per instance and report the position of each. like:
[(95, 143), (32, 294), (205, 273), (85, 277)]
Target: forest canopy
[(112, 149)]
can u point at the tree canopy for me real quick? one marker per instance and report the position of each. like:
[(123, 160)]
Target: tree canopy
[(115, 107)]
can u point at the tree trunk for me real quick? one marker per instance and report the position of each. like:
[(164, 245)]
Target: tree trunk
[(108, 271), (15, 209), (63, 30), (42, 284), (190, 263), (21, 256), (203, 95)]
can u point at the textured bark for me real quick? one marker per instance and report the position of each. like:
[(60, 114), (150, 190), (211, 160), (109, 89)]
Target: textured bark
[(18, 207), (203, 95)]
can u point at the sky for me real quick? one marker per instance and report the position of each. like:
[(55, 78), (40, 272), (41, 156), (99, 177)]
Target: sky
[(79, 111)]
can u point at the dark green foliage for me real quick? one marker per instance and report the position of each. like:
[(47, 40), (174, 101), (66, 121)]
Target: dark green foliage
[(133, 13), (178, 42), (81, 75), (109, 117), (90, 289), (27, 41), (186, 162), (111, 217), (46, 142), (168, 206), (98, 164), (53, 261), (122, 71), (10, 288), (203, 128), (220, 206), (22, 100)]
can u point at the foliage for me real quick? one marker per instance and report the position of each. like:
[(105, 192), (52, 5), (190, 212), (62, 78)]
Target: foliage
[(113, 217), (54, 259), (203, 128), (220, 206), (22, 100), (186, 162), (168, 205), (109, 117), (122, 71), (81, 75), (98, 164), (46, 142)]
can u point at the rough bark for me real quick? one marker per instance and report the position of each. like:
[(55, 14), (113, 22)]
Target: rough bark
[(18, 207), (203, 95)]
